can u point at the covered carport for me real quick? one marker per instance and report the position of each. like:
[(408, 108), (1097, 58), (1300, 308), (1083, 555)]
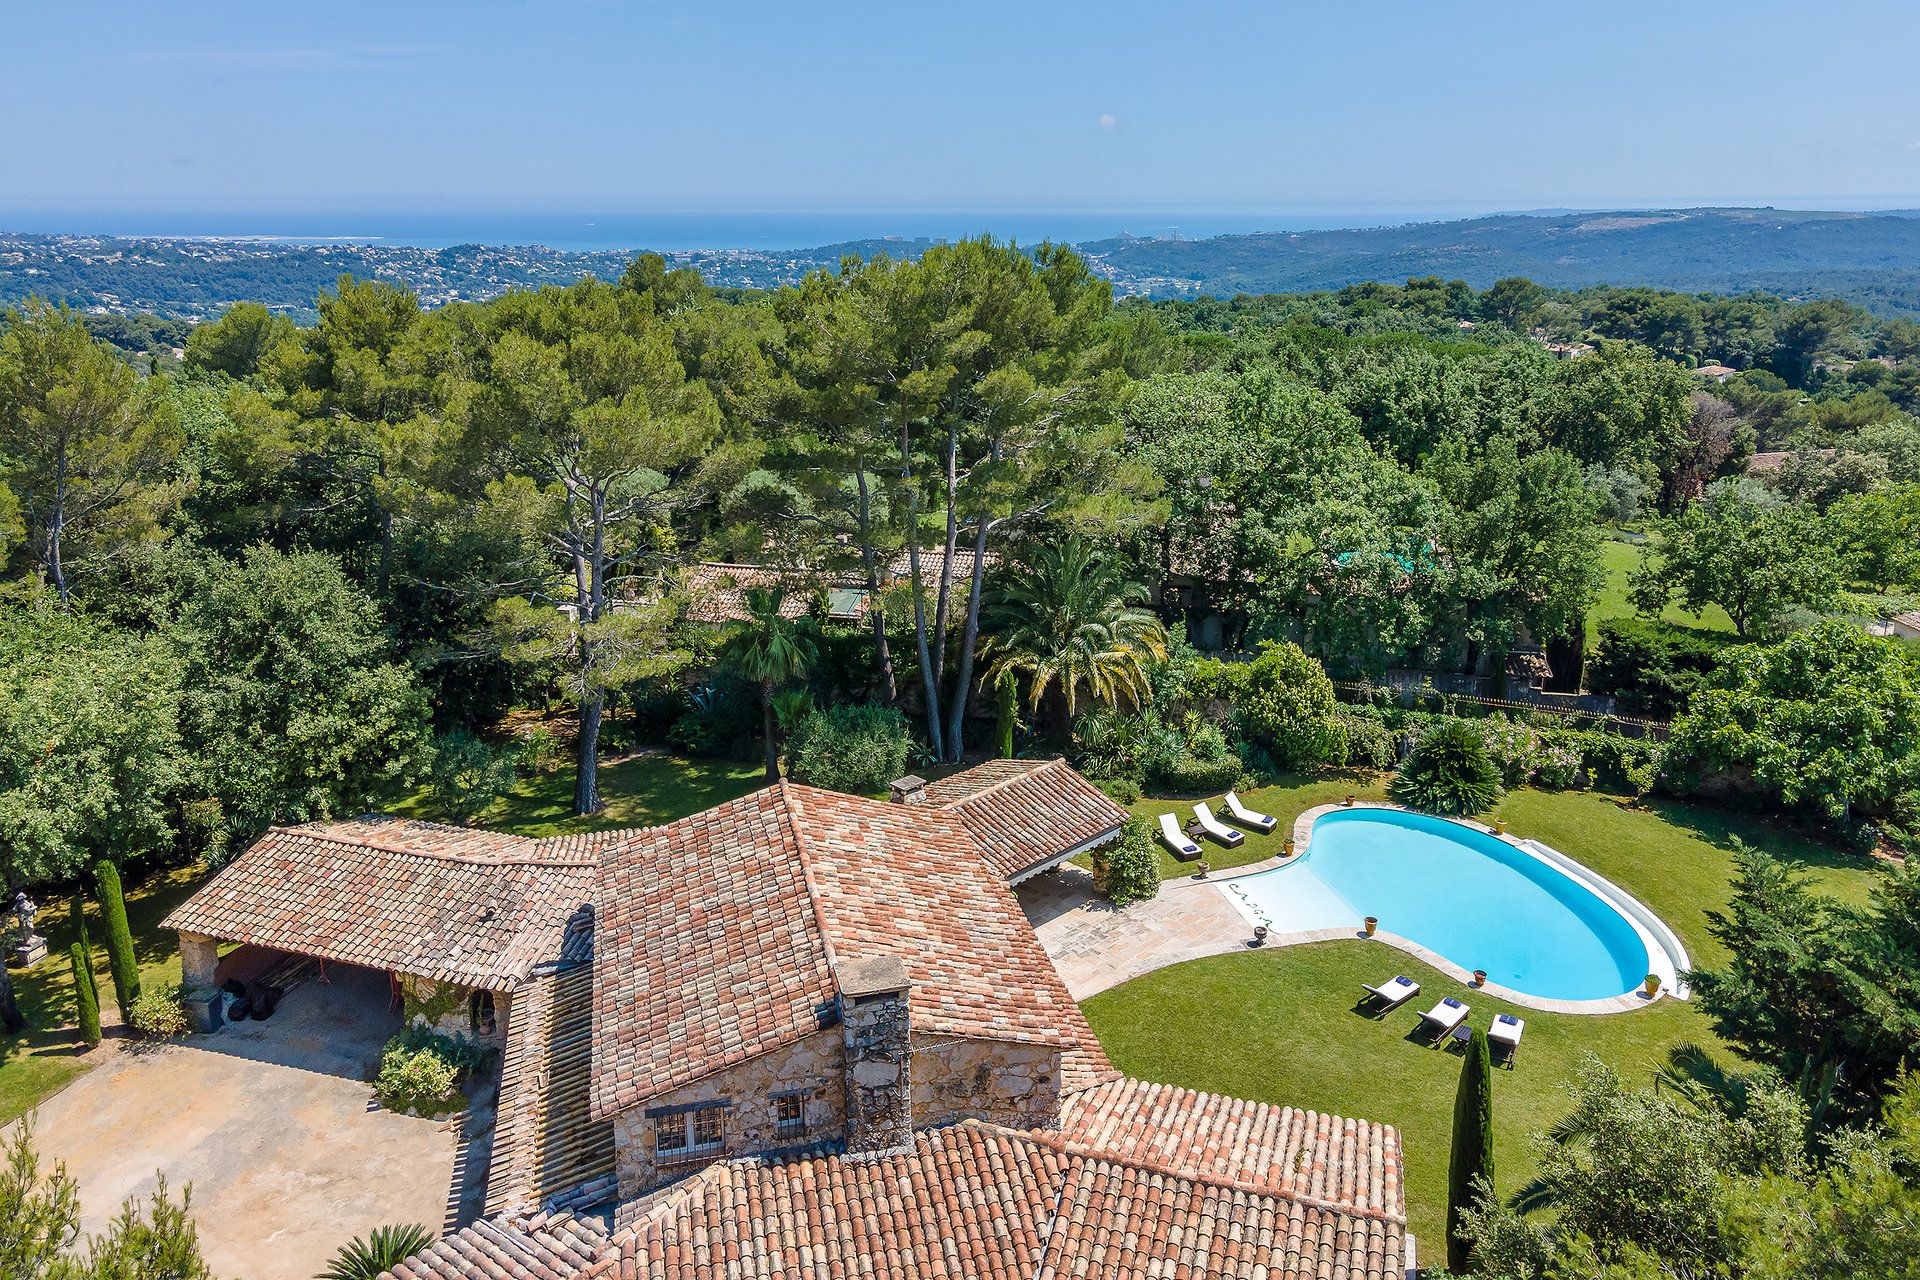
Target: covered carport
[(457, 919)]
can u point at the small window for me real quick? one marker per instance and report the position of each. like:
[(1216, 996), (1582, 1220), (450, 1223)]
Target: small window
[(692, 1132), (790, 1115), (707, 1130), (480, 1013)]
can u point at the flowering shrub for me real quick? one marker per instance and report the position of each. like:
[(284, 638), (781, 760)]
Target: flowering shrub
[(420, 1081)]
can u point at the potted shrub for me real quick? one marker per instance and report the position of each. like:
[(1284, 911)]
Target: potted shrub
[(1653, 985), (1287, 845)]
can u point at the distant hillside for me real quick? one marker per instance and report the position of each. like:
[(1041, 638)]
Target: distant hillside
[(1870, 259), (1873, 259)]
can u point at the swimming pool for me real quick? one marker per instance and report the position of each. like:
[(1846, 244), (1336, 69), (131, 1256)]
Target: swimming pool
[(1481, 901)]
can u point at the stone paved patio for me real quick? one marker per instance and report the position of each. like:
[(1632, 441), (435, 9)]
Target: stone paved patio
[(1096, 945)]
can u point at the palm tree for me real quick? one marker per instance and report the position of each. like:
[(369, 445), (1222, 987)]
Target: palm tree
[(769, 649), (381, 1250), (1067, 618)]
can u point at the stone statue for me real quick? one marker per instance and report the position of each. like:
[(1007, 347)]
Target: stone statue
[(31, 947)]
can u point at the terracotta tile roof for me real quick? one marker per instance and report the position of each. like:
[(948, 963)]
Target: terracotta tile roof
[(543, 1247), (719, 591), (975, 1200), (1027, 812), (447, 903), (707, 947), (1283, 1151), (547, 1148), (717, 935)]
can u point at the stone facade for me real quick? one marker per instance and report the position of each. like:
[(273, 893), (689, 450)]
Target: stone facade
[(878, 1034), (811, 1068), (448, 1009), (1002, 1082)]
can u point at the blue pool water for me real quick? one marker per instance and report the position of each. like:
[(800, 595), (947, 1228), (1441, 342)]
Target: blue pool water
[(1474, 898)]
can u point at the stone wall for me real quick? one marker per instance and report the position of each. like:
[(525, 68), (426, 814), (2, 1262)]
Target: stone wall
[(447, 1008), (880, 1069), (999, 1081), (811, 1066)]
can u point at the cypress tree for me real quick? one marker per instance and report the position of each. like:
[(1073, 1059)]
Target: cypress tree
[(85, 998), (1004, 703), (120, 959), (1472, 1146), (85, 944)]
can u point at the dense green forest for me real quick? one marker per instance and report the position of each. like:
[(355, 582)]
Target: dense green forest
[(324, 557)]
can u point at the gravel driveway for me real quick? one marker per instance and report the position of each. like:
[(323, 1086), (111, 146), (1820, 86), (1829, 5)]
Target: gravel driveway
[(271, 1122)]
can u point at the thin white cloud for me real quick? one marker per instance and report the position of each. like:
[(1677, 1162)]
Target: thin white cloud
[(1108, 120)]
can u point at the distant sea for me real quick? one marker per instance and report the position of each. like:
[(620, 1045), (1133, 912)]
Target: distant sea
[(681, 232)]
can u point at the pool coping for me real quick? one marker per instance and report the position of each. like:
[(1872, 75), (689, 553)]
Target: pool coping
[(1666, 954)]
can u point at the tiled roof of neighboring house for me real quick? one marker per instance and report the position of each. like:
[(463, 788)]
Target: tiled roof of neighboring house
[(473, 907), (976, 1200), (1909, 620), (1720, 371), (1025, 813), (719, 591), (717, 937), (542, 1247)]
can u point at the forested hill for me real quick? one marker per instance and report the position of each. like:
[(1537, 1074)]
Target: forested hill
[(1870, 259)]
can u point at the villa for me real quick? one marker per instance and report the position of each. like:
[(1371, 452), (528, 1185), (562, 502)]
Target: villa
[(802, 1033)]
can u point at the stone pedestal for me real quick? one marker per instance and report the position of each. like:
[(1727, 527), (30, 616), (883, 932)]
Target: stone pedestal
[(203, 1009), (29, 951)]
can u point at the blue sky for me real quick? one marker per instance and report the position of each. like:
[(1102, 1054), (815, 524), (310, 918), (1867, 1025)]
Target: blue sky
[(579, 104)]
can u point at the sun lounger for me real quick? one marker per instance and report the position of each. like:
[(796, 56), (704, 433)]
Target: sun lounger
[(1219, 830), (1238, 811), (1394, 991), (1445, 1016), (1176, 839), (1507, 1030)]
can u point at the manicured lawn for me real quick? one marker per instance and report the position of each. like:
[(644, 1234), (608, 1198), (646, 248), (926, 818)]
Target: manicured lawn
[(1282, 1025), (37, 1063), (1677, 858), (1620, 559), (1285, 801), (640, 792)]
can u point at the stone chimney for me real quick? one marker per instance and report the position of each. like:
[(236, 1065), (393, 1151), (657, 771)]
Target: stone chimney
[(878, 1037), (911, 789)]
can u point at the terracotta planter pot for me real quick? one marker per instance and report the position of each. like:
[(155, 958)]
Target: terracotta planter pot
[(1373, 923), (1287, 844), (1479, 977)]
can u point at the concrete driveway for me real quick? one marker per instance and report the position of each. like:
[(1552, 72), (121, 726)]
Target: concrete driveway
[(271, 1122)]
